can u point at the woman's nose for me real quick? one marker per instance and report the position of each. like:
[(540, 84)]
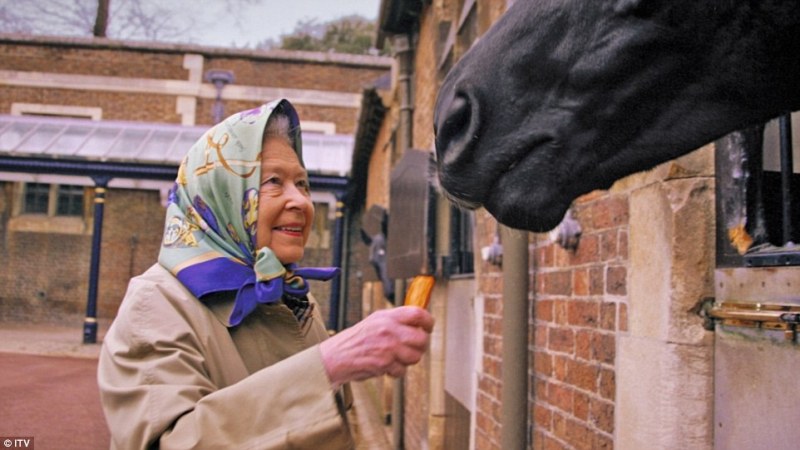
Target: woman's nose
[(297, 197)]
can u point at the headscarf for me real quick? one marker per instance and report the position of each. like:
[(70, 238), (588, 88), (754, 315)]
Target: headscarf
[(209, 240)]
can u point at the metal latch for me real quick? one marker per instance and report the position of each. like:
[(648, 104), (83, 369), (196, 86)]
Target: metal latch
[(768, 316)]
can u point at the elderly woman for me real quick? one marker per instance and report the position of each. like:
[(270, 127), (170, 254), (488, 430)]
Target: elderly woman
[(219, 345)]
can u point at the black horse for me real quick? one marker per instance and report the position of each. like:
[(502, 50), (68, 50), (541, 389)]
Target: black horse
[(561, 97)]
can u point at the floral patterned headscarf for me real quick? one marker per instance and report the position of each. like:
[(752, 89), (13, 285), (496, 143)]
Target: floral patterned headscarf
[(209, 240)]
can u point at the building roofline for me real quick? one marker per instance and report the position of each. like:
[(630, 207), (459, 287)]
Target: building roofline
[(381, 62)]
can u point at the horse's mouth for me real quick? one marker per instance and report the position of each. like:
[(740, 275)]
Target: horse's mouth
[(528, 196), (522, 194), (525, 209), (449, 186)]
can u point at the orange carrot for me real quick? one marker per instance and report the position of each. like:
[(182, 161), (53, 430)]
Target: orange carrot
[(419, 292)]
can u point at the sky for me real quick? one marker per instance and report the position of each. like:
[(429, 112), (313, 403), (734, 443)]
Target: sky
[(273, 18)]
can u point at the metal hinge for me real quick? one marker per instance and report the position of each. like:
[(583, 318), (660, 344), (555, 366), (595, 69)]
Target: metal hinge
[(768, 316)]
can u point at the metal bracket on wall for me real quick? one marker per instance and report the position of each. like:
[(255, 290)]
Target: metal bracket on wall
[(768, 316)]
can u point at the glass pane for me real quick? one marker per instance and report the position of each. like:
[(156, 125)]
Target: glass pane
[(70, 201), (36, 198), (99, 143), (41, 138), (772, 146), (782, 226), (10, 138), (465, 241), (181, 146), (69, 142), (156, 148), (128, 144)]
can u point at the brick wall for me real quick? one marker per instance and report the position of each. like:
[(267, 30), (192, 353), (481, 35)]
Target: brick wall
[(133, 222), (580, 305), (294, 70), (97, 61), (296, 74), (115, 105), (46, 278), (490, 285)]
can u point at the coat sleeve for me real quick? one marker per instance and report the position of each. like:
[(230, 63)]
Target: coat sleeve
[(157, 391)]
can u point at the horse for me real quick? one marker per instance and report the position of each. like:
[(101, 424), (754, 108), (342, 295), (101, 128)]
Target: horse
[(563, 97)]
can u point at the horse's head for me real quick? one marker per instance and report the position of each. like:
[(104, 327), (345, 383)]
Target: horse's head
[(561, 97)]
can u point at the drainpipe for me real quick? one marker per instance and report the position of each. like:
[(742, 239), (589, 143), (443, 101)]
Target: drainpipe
[(334, 322), (405, 56), (514, 394), (90, 321), (398, 391), (344, 243)]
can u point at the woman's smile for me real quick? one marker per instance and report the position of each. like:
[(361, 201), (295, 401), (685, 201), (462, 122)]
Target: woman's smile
[(295, 230)]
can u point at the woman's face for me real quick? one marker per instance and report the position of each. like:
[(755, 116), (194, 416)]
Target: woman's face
[(285, 210)]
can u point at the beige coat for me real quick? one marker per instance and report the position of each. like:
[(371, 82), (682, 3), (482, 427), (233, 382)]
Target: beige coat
[(172, 373)]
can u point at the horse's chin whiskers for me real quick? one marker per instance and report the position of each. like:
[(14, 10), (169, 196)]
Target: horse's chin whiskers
[(460, 202), (435, 182), (433, 177)]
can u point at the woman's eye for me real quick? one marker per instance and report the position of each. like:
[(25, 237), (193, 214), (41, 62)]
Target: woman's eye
[(304, 185)]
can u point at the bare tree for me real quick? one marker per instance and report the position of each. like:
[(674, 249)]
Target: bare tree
[(64, 17), (101, 20), (157, 20)]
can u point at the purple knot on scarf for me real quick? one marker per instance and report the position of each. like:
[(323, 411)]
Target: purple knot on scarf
[(223, 274), (253, 292)]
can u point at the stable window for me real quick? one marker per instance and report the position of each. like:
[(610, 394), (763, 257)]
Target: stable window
[(37, 198), (758, 195), (69, 200), (459, 261)]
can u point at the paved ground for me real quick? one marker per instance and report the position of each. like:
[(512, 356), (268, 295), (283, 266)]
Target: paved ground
[(48, 392), (52, 399)]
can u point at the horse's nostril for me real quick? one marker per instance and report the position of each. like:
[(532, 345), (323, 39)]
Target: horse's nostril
[(454, 130), (457, 117), (457, 124)]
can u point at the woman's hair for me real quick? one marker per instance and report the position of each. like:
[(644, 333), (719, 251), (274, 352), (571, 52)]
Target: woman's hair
[(279, 125)]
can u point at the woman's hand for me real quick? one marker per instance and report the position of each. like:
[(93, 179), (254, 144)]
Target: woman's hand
[(386, 342)]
